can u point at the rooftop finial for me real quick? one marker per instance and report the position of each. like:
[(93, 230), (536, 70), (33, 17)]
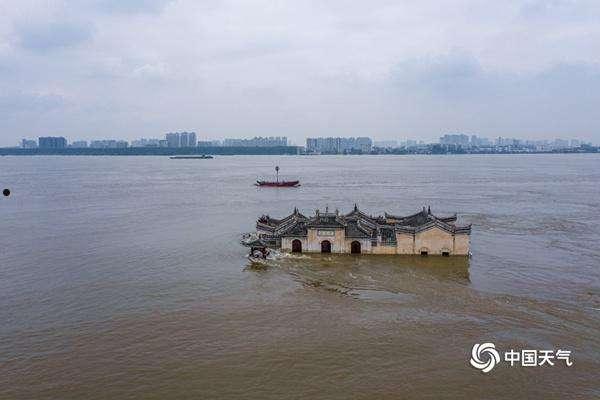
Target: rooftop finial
[(326, 209), (355, 207), (428, 209), (295, 210)]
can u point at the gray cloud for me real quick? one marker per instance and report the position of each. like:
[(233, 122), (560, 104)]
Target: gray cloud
[(560, 9), (556, 101), (36, 102), (52, 35), (387, 69), (454, 75), (128, 6)]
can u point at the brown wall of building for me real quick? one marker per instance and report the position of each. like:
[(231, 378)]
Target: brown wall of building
[(384, 249), (286, 243), (337, 240), (434, 241), (461, 244), (405, 243), (365, 245)]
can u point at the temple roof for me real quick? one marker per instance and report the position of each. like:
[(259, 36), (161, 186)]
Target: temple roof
[(450, 228), (357, 230), (298, 229), (360, 225), (326, 220), (421, 218)]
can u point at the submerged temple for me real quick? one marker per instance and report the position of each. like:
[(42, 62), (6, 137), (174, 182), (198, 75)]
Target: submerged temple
[(422, 233)]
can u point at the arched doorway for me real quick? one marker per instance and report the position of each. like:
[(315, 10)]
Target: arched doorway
[(296, 246), (325, 246), (355, 247)]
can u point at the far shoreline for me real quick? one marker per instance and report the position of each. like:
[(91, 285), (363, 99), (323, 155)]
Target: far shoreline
[(245, 151)]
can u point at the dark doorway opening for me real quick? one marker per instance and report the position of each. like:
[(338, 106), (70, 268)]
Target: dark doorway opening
[(296, 246), (445, 254), (423, 253), (355, 247), (325, 246)]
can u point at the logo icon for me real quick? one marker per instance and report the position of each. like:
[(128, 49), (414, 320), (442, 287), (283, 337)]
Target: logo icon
[(484, 356)]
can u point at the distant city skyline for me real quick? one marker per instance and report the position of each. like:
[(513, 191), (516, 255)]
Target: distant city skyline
[(386, 70), (328, 144), (300, 141)]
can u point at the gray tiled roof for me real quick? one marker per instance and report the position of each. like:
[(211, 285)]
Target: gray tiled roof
[(360, 225)]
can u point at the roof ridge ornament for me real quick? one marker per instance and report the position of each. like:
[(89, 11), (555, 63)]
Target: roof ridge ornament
[(355, 207)]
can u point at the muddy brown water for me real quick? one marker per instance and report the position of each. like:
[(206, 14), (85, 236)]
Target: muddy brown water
[(122, 277)]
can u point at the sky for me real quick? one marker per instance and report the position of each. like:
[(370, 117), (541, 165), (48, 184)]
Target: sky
[(101, 69)]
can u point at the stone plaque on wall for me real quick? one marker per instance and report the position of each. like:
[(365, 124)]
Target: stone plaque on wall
[(321, 232)]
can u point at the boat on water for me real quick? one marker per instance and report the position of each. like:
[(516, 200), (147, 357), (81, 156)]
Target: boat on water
[(192, 157), (259, 249), (277, 182)]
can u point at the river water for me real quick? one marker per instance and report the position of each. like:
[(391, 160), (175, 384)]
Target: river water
[(122, 277)]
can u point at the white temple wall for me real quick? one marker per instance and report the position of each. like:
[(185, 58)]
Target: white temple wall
[(434, 241), (286, 243), (335, 236)]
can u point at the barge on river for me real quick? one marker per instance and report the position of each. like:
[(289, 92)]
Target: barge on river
[(422, 233), (192, 157)]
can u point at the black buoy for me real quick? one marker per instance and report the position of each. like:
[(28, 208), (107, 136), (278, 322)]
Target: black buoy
[(6, 192)]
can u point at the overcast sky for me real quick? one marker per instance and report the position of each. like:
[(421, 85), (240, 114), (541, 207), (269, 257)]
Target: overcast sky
[(386, 69)]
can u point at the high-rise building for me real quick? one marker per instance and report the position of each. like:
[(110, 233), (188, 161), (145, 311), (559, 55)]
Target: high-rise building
[(181, 139), (192, 139), (338, 145), (561, 143), (28, 144), (209, 143), (364, 144), (386, 144), (460, 139), (173, 139), (257, 141), (143, 142), (79, 144), (108, 144), (479, 141), (187, 139), (52, 142)]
